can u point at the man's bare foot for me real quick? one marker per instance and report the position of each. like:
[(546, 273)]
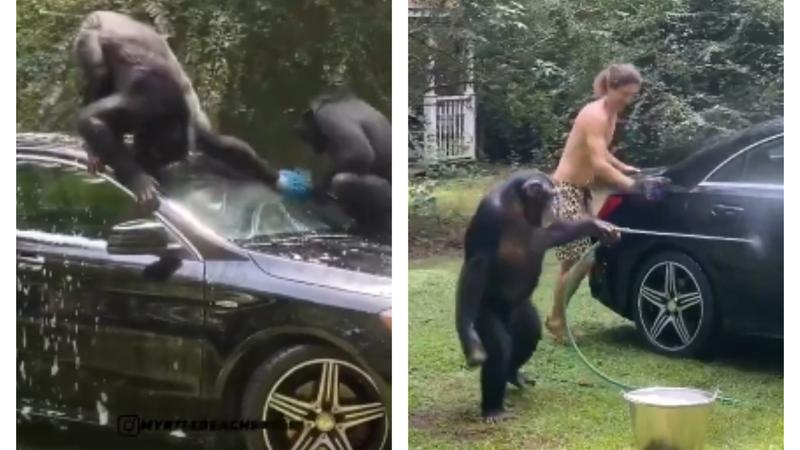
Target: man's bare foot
[(556, 328), (521, 381), (496, 416)]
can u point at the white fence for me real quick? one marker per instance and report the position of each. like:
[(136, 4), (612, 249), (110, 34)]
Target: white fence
[(449, 127), (448, 132)]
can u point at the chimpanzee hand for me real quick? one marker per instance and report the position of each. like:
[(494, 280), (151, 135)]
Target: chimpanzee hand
[(320, 195), (607, 232), (475, 353), (653, 188), (95, 164), (144, 188)]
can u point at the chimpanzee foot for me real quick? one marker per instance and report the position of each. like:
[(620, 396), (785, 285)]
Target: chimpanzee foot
[(494, 416), (521, 381), (144, 188), (95, 165)]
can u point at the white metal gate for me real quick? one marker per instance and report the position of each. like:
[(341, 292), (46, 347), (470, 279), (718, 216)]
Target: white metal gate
[(449, 127)]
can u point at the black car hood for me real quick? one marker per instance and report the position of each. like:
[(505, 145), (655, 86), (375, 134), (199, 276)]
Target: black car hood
[(344, 262)]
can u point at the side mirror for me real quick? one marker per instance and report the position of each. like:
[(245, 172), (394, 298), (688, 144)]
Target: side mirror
[(139, 237)]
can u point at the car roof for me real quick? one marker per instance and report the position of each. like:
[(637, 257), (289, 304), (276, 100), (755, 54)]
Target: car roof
[(694, 168), (60, 145)]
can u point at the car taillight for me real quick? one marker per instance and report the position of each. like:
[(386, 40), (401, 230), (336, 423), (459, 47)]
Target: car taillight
[(386, 318), (611, 204)]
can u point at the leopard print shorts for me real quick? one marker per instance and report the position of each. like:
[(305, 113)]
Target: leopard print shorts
[(572, 203)]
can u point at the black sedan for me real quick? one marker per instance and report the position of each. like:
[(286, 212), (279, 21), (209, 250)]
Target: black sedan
[(229, 307), (708, 257)]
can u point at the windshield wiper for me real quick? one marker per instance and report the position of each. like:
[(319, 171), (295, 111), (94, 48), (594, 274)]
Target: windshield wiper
[(329, 236), (294, 237)]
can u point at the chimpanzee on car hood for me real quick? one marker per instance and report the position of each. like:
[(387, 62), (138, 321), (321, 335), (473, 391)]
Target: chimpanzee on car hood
[(315, 239)]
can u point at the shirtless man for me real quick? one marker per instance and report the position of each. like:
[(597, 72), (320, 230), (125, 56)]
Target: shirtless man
[(585, 161)]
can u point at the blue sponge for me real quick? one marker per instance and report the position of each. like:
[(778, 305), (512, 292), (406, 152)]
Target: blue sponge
[(294, 183)]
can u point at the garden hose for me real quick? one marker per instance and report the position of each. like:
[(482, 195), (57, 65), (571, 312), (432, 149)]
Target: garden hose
[(572, 280)]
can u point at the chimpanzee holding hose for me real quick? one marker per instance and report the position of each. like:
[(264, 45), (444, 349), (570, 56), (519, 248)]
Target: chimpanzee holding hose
[(504, 248)]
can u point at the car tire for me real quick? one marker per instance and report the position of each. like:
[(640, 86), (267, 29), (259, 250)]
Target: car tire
[(677, 317), (291, 392)]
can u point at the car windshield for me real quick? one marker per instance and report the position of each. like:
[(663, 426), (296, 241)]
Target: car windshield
[(242, 210)]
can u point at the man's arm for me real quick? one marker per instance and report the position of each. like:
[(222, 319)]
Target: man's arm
[(594, 130), (619, 165)]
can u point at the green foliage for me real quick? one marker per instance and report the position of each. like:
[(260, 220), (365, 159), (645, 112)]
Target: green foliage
[(254, 64), (709, 67), (421, 200), (455, 170)]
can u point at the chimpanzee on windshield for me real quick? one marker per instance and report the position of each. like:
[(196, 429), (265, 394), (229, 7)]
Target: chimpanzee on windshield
[(134, 84), (505, 244), (358, 141)]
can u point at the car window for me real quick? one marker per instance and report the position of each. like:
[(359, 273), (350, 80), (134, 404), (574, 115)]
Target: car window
[(765, 163), (760, 164), (67, 200), (731, 172)]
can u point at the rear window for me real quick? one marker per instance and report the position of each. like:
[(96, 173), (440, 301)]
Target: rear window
[(762, 164), (731, 172)]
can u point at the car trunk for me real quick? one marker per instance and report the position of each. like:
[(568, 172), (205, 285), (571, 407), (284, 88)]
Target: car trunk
[(601, 194)]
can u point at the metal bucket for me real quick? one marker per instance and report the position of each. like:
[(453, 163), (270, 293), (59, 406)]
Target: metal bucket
[(670, 418)]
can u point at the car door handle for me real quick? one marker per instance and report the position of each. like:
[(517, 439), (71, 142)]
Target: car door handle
[(726, 210)]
